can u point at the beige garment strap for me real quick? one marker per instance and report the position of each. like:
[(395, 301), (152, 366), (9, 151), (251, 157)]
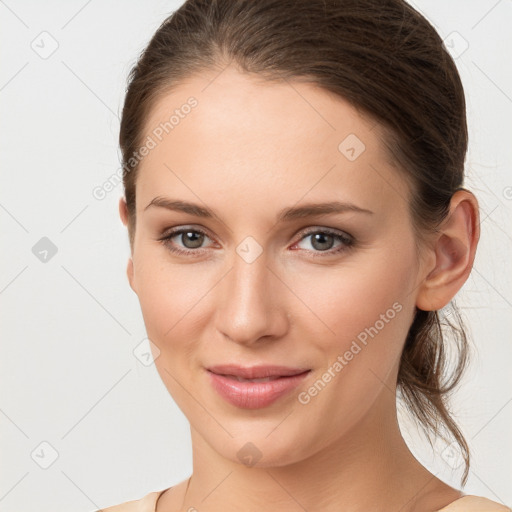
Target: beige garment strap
[(148, 503), (145, 504), (475, 504)]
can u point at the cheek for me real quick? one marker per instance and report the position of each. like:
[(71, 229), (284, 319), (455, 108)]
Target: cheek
[(367, 291), (368, 313), (172, 298), (368, 307)]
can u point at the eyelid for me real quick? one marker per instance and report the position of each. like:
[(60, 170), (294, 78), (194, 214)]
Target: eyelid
[(178, 230), (327, 230), (347, 241)]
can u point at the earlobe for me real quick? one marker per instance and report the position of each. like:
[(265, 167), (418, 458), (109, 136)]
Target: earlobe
[(123, 211), (454, 248), (129, 274)]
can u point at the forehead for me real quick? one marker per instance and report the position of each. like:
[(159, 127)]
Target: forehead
[(215, 133)]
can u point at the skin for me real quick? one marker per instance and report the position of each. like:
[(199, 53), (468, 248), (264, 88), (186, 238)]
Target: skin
[(246, 160)]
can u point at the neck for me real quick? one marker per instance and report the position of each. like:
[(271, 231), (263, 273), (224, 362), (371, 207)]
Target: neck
[(362, 470)]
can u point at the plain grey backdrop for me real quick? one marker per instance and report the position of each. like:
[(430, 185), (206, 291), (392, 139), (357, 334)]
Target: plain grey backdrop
[(85, 420)]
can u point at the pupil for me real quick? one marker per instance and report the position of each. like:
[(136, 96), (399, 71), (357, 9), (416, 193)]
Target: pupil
[(320, 237), (196, 239)]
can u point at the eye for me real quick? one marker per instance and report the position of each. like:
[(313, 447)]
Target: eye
[(323, 240), (191, 238)]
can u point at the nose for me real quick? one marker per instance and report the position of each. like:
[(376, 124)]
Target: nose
[(251, 303)]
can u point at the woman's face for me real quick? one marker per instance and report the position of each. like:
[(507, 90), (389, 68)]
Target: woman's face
[(258, 279)]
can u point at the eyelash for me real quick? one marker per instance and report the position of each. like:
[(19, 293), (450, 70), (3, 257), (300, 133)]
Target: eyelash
[(347, 241)]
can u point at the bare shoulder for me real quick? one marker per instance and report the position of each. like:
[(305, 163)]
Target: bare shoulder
[(129, 506), (144, 504), (475, 504), (172, 498)]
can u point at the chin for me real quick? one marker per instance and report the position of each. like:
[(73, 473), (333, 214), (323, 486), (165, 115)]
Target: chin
[(266, 445)]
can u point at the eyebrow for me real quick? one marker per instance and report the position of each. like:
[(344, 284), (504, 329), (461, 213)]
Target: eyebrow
[(286, 214)]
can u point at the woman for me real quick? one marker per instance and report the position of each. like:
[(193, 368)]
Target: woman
[(293, 177)]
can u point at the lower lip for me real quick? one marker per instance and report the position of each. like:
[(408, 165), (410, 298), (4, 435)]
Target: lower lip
[(254, 395)]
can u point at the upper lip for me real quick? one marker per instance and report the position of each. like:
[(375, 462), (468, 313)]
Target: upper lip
[(256, 372)]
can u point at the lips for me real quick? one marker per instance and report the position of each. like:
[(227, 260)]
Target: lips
[(254, 387), (256, 372)]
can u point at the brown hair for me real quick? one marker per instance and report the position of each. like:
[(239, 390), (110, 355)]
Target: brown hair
[(384, 58)]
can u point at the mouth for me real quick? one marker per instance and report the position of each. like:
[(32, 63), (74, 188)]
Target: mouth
[(256, 372), (254, 387), (242, 379)]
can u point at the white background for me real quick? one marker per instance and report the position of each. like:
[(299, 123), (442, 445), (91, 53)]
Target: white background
[(69, 326)]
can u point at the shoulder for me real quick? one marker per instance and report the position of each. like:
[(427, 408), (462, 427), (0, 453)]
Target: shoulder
[(144, 504), (475, 504)]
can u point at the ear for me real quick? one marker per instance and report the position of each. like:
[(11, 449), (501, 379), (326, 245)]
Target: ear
[(454, 248), (123, 213)]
